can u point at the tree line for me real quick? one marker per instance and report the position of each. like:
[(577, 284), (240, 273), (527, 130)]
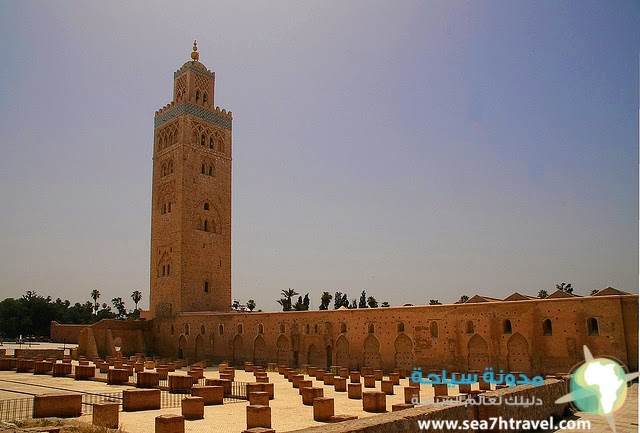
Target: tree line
[(32, 314), (340, 299)]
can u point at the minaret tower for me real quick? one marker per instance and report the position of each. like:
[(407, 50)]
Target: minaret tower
[(191, 198)]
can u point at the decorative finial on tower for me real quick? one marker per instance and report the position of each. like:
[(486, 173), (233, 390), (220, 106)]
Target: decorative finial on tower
[(194, 55)]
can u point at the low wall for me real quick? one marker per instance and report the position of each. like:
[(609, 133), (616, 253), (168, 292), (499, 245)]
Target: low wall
[(39, 353), (62, 333)]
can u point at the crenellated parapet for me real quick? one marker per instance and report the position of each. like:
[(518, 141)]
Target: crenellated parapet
[(218, 116)]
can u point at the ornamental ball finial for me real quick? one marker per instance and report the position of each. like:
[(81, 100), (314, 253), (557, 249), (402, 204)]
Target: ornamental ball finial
[(194, 55)]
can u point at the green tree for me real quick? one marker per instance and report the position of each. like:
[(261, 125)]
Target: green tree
[(385, 304), (251, 304), (434, 302), (298, 306), (362, 303), (136, 296), (354, 304), (337, 300), (463, 299), (306, 301), (542, 294), (95, 294), (565, 287), (118, 304), (372, 302), (285, 300), (325, 300)]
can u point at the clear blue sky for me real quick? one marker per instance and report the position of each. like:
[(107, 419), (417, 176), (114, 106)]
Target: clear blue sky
[(416, 150)]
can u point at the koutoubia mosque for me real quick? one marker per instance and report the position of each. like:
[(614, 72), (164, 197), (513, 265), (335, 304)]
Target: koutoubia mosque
[(190, 287)]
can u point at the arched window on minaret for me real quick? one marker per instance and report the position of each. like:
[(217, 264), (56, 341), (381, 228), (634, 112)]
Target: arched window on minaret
[(202, 139), (210, 142), (202, 169), (204, 97), (210, 170), (205, 226), (206, 206), (197, 95)]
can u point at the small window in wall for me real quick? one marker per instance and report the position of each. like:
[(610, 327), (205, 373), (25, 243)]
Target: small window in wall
[(202, 329), (239, 328), (210, 143), (507, 326), (547, 329), (202, 169), (205, 226), (171, 329), (592, 327), (204, 97), (221, 329), (343, 328), (202, 139), (186, 329), (210, 170), (260, 329), (470, 329), (168, 269), (282, 328), (206, 206), (308, 329), (197, 95), (400, 327), (434, 329), (206, 287), (371, 328)]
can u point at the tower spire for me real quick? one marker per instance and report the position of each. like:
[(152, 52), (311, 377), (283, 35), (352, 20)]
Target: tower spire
[(194, 55)]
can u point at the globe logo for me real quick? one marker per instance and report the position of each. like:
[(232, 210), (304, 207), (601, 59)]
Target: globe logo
[(602, 382), (599, 387)]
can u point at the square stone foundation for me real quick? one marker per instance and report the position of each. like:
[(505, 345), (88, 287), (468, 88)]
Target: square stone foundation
[(309, 394), (258, 416), (354, 391), (374, 401), (140, 399), (106, 415), (193, 407), (169, 424), (340, 384), (57, 405), (323, 409), (211, 394)]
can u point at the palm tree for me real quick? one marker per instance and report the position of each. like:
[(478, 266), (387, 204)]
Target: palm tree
[(565, 287), (325, 300), (136, 296), (95, 294), (285, 301)]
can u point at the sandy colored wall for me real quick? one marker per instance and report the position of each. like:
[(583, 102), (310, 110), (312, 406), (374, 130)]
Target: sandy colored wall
[(457, 337)]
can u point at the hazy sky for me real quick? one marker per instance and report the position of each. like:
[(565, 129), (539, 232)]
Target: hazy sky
[(417, 149)]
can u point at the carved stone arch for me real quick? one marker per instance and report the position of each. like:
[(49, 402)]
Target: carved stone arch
[(238, 349), (182, 345), (259, 351), (342, 352), (199, 350), (404, 352), (313, 356), (518, 354), (283, 350), (478, 353), (371, 352)]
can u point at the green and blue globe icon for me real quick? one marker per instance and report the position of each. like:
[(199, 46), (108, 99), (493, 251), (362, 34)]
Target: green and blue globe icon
[(602, 384), (599, 387)]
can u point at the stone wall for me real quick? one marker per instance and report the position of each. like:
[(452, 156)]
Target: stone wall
[(61, 333), (456, 337)]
